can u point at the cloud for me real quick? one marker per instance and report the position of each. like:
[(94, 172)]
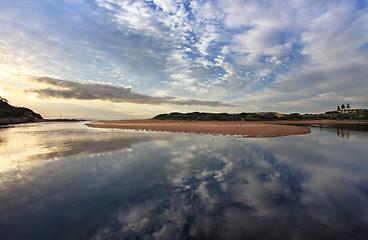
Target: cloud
[(313, 89), (334, 67), (92, 91), (216, 50)]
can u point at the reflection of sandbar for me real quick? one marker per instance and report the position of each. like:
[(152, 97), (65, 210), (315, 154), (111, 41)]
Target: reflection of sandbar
[(234, 128)]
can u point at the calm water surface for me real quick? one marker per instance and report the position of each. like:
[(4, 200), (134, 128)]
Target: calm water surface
[(68, 181)]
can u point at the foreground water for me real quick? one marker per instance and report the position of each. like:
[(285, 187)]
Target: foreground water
[(68, 181)]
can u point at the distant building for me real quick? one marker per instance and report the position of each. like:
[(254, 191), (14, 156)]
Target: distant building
[(348, 110)]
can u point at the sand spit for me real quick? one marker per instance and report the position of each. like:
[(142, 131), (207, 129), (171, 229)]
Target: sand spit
[(234, 128)]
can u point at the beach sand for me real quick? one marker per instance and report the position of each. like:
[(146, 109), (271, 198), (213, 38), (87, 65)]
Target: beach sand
[(235, 128)]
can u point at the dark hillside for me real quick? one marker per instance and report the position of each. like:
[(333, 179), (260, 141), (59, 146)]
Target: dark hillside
[(10, 114), (361, 114)]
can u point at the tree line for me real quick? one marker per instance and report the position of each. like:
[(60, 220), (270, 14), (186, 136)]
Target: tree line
[(361, 114)]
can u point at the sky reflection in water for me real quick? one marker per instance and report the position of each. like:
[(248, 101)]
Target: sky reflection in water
[(67, 181)]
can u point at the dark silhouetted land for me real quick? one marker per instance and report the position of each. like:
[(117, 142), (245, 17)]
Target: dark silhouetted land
[(361, 114), (10, 114)]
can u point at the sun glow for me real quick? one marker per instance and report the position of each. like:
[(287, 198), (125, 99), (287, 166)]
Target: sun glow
[(4, 73), (32, 96), (2, 92)]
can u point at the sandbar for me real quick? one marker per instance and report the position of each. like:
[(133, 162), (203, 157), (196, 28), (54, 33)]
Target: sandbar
[(242, 129)]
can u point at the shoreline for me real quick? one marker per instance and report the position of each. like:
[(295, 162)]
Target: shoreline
[(317, 122), (244, 129)]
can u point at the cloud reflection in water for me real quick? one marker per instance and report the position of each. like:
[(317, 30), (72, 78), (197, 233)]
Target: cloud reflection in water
[(179, 186)]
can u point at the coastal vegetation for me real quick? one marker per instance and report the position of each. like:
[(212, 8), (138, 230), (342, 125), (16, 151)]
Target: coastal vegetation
[(361, 114), (10, 114)]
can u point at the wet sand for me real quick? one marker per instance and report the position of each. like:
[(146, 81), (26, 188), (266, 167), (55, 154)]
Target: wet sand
[(235, 128)]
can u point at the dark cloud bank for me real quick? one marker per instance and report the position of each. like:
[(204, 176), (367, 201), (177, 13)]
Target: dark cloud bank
[(87, 91)]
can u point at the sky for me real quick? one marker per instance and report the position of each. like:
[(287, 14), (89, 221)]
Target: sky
[(115, 59)]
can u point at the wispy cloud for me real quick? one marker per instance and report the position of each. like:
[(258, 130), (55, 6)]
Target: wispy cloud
[(91, 91), (334, 67)]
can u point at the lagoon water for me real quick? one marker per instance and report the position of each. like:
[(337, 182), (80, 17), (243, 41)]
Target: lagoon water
[(68, 181)]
